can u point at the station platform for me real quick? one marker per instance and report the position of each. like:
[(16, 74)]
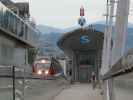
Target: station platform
[(79, 92)]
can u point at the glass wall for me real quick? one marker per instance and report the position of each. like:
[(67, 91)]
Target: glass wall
[(7, 51)]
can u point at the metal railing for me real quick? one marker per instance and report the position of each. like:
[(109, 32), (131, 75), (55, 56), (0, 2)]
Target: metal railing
[(16, 81), (123, 66), (118, 78)]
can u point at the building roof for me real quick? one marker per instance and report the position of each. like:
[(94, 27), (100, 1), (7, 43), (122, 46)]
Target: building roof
[(72, 40)]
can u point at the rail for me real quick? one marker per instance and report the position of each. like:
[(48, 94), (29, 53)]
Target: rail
[(123, 66), (119, 79)]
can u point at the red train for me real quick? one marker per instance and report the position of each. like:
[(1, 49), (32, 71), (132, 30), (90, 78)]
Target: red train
[(47, 67)]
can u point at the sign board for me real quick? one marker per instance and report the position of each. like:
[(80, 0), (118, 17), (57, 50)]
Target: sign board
[(84, 39)]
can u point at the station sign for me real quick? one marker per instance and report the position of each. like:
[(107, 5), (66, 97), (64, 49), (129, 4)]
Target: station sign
[(84, 39)]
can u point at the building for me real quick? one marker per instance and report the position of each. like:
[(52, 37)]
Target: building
[(84, 47), (21, 9), (15, 34)]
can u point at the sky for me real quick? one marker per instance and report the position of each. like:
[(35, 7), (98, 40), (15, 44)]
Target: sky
[(65, 13)]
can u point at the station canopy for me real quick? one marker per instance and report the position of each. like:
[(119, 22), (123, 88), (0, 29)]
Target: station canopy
[(81, 40)]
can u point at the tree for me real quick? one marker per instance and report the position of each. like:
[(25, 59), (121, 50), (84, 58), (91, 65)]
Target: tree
[(32, 52)]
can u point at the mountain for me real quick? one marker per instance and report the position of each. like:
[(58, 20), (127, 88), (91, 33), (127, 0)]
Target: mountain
[(130, 25), (100, 26), (71, 29), (50, 36), (48, 40), (47, 29)]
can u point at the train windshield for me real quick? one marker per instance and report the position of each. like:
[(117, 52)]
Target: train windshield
[(43, 65)]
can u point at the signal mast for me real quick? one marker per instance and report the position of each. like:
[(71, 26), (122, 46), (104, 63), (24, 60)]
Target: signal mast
[(82, 19)]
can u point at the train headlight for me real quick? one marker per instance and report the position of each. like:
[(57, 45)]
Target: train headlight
[(39, 72), (43, 61), (46, 72)]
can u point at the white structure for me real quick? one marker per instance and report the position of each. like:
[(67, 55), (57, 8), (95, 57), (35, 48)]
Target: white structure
[(107, 37), (114, 43), (121, 30), (114, 46), (64, 66)]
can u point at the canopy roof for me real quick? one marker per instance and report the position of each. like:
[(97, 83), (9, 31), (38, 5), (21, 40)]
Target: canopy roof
[(81, 40)]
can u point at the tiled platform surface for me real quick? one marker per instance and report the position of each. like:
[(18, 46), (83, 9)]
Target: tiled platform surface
[(79, 92)]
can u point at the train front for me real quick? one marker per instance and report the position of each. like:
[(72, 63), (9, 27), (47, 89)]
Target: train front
[(41, 68)]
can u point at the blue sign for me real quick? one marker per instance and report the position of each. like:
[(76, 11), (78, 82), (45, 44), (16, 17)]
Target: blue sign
[(82, 21), (84, 39)]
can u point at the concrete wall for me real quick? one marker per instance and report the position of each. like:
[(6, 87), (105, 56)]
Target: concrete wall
[(11, 53), (6, 51), (20, 56)]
